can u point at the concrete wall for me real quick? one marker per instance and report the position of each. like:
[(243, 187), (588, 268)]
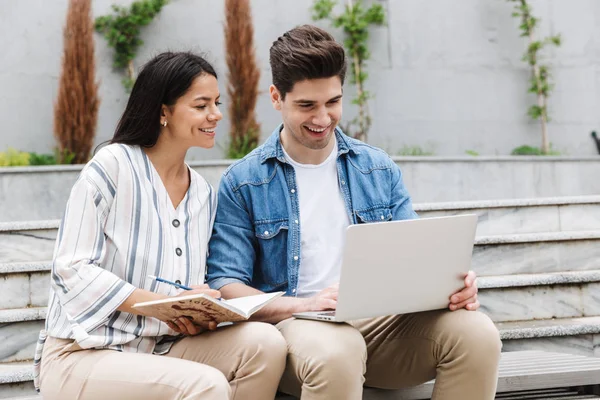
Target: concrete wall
[(34, 193), (447, 74)]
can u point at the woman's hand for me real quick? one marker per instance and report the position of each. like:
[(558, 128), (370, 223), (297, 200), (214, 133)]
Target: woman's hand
[(185, 325)]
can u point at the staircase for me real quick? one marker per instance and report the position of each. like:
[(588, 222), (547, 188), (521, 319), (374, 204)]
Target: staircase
[(538, 262)]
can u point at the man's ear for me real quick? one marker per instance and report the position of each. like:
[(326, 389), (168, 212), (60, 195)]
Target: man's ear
[(275, 97)]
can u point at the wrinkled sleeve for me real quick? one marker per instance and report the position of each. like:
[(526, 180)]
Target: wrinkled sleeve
[(87, 292), (401, 204), (232, 245)]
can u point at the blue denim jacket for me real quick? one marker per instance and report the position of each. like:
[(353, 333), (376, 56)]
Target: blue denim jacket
[(256, 235)]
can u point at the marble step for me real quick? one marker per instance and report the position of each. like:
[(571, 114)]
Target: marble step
[(27, 241), (16, 380), (34, 240), (24, 284), (540, 296), (516, 216), (566, 335), (534, 253), (19, 330)]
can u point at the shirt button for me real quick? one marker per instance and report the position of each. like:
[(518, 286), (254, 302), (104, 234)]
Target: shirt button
[(176, 223), (178, 282), (296, 258), (343, 182), (382, 217), (266, 232), (293, 190), (178, 251), (293, 290), (296, 221)]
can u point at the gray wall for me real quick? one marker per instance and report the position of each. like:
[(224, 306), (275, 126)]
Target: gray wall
[(447, 74)]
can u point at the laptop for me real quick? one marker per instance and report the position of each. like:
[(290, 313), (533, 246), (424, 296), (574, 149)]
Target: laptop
[(400, 267)]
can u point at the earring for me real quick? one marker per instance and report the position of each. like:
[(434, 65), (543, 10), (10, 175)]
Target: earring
[(164, 123)]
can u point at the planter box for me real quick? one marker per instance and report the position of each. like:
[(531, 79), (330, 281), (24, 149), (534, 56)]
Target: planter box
[(36, 193)]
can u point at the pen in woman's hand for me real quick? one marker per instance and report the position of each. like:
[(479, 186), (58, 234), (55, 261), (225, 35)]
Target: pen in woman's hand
[(178, 285)]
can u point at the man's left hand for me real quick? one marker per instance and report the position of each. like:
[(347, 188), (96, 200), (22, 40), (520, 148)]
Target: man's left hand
[(467, 297)]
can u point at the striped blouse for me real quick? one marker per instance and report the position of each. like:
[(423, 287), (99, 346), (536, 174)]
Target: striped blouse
[(119, 227)]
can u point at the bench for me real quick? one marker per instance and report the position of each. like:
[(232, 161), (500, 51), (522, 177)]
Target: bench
[(523, 375)]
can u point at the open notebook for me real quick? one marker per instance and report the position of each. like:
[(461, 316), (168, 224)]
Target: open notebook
[(202, 308)]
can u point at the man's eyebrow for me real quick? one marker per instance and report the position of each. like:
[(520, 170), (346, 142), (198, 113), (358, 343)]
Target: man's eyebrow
[(303, 101)]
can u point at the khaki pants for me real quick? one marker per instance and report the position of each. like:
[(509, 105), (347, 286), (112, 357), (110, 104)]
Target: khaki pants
[(243, 361), (460, 349)]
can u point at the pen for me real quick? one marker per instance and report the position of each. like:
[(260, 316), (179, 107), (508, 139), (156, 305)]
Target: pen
[(179, 285)]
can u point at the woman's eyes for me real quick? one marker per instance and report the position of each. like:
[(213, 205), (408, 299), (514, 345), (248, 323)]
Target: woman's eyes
[(217, 103)]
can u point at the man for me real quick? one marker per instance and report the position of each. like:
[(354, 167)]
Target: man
[(280, 225)]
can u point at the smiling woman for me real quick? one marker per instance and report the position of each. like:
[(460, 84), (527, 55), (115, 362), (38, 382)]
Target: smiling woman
[(137, 209)]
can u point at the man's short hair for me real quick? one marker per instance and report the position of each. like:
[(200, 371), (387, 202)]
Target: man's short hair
[(305, 52)]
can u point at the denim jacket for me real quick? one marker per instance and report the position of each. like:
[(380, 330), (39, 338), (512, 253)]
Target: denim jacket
[(256, 235)]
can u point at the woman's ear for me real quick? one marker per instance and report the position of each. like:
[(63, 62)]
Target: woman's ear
[(164, 111)]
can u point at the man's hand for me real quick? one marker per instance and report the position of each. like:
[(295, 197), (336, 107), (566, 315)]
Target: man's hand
[(467, 297), (185, 325), (326, 299)]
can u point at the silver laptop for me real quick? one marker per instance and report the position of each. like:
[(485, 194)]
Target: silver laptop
[(400, 267)]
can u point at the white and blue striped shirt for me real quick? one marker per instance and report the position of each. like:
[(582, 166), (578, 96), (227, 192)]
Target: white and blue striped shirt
[(119, 227)]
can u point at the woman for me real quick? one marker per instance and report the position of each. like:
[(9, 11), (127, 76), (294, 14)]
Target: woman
[(136, 210)]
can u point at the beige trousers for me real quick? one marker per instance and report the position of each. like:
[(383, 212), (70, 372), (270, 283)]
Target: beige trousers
[(460, 349), (243, 361)]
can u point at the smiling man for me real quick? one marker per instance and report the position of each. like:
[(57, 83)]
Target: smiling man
[(280, 225)]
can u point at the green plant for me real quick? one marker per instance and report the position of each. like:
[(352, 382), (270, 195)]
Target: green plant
[(355, 21), (14, 158), (526, 150), (414, 151), (240, 146), (122, 31), (472, 153), (242, 79), (42, 159), (540, 77)]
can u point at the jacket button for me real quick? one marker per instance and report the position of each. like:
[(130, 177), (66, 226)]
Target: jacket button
[(178, 251)]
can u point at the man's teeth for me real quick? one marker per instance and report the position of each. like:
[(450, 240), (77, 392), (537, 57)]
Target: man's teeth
[(208, 130), (316, 130)]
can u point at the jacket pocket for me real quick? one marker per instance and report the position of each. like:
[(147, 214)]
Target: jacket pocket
[(269, 229), (271, 260), (374, 214)]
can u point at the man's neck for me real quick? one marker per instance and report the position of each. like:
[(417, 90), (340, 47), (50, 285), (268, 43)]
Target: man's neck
[(302, 154)]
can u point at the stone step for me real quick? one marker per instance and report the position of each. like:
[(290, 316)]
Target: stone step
[(536, 253), (566, 335), (517, 216), (25, 284), (540, 296), (16, 380), (33, 240), (19, 330), (27, 241)]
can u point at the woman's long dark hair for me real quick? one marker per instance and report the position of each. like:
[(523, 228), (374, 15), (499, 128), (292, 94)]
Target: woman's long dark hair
[(163, 80)]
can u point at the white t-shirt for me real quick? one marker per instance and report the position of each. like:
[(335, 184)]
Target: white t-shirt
[(323, 223)]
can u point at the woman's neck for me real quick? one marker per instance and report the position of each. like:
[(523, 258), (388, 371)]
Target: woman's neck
[(168, 160)]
